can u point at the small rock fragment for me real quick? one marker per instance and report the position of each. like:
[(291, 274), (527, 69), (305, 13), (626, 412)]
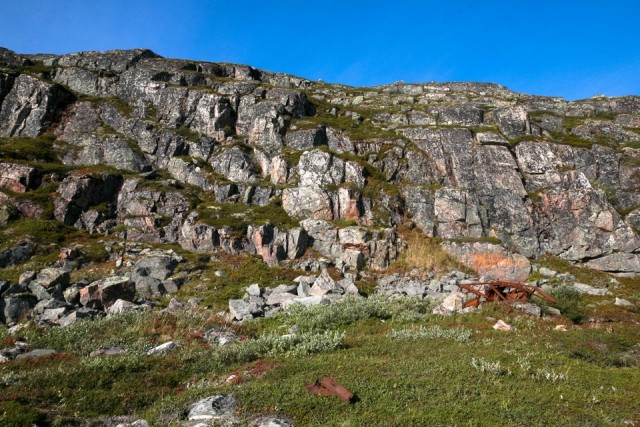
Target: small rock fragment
[(623, 303), (163, 348), (501, 325)]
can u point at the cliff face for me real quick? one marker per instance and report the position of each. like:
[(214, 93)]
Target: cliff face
[(227, 156)]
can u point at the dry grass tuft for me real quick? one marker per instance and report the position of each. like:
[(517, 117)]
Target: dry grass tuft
[(425, 253)]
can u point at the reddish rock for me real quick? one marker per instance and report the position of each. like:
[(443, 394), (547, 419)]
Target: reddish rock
[(18, 178), (491, 261), (103, 293)]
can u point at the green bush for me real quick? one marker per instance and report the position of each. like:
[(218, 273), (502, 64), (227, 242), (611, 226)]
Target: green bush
[(569, 303), (350, 310), (14, 414)]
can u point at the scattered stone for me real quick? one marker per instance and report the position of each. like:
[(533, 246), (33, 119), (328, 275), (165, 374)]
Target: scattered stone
[(590, 290), (451, 304), (322, 285), (501, 325), (279, 298), (307, 301), (270, 422), (104, 292), (220, 337), (553, 311), (254, 290), (547, 272), (109, 351), (623, 302), (163, 348), (121, 306), (241, 309), (561, 328), (218, 407), (37, 353), (26, 278), (529, 308)]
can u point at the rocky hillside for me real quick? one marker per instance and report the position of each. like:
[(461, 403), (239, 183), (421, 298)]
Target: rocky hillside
[(214, 155), (125, 176)]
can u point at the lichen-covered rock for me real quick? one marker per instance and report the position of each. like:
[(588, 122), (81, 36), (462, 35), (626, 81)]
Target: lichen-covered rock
[(18, 254), (103, 293), (16, 307), (491, 261), (18, 178), (31, 106), (77, 193)]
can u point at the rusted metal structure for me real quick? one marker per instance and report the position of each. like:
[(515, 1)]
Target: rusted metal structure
[(503, 291), (327, 386)]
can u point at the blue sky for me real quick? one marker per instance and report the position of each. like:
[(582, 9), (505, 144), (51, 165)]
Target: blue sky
[(573, 49)]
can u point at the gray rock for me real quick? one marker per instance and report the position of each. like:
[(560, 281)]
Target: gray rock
[(105, 292), (529, 308), (50, 277), (254, 290), (37, 353), (306, 139), (72, 294), (77, 193), (590, 290), (20, 253), (216, 407), (31, 106), (163, 348), (16, 307), (270, 422), (241, 309), (82, 313), (451, 304), (323, 285), (279, 298), (220, 337), (623, 302), (121, 306), (307, 301), (26, 278)]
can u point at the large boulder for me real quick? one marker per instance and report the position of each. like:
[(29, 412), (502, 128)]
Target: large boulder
[(16, 307), (31, 106), (77, 193), (18, 178), (491, 261), (103, 293)]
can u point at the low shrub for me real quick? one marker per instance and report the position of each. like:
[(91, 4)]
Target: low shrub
[(432, 332)]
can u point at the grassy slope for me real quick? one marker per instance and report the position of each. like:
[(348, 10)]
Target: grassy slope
[(426, 381)]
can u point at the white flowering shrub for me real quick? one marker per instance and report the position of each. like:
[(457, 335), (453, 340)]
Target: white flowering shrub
[(431, 332)]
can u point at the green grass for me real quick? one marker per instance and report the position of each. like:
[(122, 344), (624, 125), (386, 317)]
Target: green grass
[(238, 216), (239, 272), (355, 130), (120, 105), (39, 149), (582, 274), (406, 367)]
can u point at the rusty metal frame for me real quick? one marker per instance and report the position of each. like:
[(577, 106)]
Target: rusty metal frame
[(506, 292)]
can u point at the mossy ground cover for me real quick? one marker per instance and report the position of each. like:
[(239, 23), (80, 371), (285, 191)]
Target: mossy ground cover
[(436, 371), (238, 216), (238, 272)]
